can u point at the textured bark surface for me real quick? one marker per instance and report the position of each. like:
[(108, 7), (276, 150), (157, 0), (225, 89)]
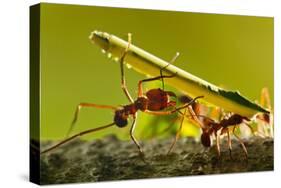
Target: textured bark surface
[(112, 159)]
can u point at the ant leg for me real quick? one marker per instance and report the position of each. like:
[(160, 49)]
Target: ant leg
[(161, 70), (140, 90), (76, 135), (241, 142), (194, 111), (178, 133), (133, 137), (218, 145), (123, 81), (194, 118), (170, 126), (83, 105), (229, 143), (223, 131), (253, 132), (173, 111)]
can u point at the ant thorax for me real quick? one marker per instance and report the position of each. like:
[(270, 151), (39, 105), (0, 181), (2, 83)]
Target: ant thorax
[(159, 99), (141, 103)]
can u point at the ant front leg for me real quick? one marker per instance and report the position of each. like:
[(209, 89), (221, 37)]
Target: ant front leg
[(133, 137), (229, 144), (223, 131), (161, 70), (75, 136), (88, 105), (140, 89), (218, 144), (241, 142), (123, 80)]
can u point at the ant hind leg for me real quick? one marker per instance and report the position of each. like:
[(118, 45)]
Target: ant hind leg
[(161, 70), (241, 142), (133, 137), (123, 80), (229, 144)]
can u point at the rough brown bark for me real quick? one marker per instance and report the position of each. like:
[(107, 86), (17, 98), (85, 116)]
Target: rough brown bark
[(112, 159)]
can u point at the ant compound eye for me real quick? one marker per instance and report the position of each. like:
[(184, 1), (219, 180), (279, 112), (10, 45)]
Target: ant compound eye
[(120, 119), (205, 139)]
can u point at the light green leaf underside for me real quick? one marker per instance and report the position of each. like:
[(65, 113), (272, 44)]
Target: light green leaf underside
[(149, 65)]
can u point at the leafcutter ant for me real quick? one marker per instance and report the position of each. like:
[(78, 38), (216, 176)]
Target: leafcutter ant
[(155, 102), (221, 127)]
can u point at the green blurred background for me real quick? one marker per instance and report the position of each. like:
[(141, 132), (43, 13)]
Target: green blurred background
[(234, 52)]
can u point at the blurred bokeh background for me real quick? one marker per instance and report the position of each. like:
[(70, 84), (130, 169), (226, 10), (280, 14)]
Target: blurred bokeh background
[(234, 52)]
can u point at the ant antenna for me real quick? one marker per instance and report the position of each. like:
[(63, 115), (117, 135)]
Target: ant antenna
[(76, 135), (171, 62)]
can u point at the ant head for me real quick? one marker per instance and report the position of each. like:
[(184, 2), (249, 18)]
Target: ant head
[(121, 118), (141, 103), (205, 139)]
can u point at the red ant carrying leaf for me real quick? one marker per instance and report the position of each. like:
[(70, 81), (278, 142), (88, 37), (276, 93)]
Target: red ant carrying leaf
[(154, 101)]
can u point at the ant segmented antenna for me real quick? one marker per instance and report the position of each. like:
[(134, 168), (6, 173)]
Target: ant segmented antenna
[(85, 105), (76, 135)]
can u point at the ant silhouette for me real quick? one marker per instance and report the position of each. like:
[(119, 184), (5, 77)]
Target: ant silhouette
[(154, 101)]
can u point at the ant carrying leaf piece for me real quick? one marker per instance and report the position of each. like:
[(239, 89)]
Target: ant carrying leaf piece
[(148, 64), (155, 102)]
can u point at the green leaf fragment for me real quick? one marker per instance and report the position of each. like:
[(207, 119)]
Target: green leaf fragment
[(149, 65)]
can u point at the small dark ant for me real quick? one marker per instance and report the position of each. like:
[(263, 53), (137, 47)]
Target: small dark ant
[(211, 127), (152, 102), (222, 127)]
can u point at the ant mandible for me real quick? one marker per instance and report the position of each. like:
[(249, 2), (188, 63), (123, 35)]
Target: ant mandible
[(152, 102)]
